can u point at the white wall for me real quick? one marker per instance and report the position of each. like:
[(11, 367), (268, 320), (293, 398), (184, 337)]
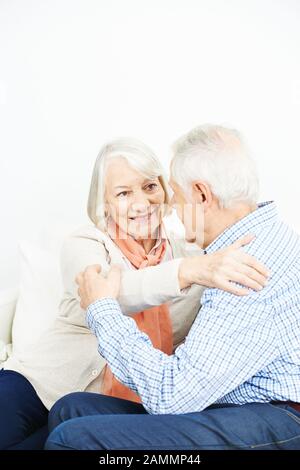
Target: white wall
[(74, 73)]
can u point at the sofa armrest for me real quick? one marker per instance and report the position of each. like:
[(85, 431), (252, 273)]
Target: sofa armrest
[(8, 301)]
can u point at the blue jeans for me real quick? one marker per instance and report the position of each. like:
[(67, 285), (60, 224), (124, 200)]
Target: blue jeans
[(23, 417), (97, 422)]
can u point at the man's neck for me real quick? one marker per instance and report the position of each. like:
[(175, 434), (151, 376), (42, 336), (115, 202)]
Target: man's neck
[(225, 219)]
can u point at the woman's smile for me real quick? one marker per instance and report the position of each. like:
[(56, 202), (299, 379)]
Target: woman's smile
[(144, 218)]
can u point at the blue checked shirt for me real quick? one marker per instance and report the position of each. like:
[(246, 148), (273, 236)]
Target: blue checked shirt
[(239, 349)]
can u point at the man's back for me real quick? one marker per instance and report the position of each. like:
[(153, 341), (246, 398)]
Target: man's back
[(240, 349), (277, 306)]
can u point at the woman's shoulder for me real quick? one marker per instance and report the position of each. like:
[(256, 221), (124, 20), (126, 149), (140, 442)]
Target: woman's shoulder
[(88, 240), (85, 238), (88, 232)]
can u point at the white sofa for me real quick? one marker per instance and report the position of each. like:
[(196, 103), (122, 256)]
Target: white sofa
[(8, 301), (28, 309)]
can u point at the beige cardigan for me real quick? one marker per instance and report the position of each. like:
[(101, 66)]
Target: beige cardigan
[(65, 359)]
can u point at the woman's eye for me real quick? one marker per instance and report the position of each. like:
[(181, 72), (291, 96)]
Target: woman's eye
[(122, 194), (151, 186)]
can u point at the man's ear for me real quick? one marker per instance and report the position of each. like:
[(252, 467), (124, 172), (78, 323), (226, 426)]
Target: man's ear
[(202, 193)]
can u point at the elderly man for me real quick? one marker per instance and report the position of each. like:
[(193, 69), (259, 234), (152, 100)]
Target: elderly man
[(235, 382)]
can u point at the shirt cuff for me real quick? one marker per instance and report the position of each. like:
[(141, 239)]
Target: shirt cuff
[(98, 309)]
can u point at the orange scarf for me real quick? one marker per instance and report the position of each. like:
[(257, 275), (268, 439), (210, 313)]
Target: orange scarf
[(155, 321)]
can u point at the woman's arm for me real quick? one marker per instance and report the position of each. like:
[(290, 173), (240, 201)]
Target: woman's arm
[(140, 289), (144, 288)]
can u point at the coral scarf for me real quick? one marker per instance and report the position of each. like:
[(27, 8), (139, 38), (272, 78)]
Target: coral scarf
[(155, 321)]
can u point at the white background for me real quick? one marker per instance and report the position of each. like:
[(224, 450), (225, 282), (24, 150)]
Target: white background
[(74, 73)]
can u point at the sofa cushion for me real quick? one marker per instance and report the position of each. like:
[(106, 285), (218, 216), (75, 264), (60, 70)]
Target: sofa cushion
[(40, 292)]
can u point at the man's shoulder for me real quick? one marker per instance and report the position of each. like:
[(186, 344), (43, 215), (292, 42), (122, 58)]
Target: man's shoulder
[(277, 246)]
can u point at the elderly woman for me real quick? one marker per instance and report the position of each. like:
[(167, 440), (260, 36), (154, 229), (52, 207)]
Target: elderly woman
[(160, 287)]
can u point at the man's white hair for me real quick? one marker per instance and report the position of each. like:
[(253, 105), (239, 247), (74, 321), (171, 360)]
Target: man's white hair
[(217, 156), (139, 156)]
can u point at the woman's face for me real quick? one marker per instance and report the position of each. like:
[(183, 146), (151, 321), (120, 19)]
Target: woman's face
[(134, 202)]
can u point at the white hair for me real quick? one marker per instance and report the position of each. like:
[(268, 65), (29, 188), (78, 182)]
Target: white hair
[(218, 156), (139, 156)]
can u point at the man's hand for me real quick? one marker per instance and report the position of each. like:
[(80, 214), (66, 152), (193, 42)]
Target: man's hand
[(94, 286), (224, 268)]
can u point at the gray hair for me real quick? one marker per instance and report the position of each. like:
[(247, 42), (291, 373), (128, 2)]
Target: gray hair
[(139, 156), (218, 156)]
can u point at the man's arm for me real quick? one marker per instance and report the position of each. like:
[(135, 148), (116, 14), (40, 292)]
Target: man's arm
[(228, 343)]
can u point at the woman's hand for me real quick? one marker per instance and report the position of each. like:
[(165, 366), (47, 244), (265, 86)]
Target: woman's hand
[(94, 286), (220, 268)]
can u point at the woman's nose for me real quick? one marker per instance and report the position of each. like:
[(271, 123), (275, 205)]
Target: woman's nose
[(140, 207), (140, 202)]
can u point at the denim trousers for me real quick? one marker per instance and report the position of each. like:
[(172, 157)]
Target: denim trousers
[(90, 421), (23, 417)]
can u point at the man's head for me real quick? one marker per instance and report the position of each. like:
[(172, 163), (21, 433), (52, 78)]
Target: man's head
[(214, 181)]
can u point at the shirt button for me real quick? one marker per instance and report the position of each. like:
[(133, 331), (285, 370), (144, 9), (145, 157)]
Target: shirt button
[(94, 372)]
